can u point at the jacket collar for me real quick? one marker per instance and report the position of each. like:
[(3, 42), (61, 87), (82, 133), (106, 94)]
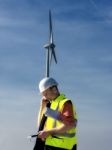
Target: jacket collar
[(60, 97)]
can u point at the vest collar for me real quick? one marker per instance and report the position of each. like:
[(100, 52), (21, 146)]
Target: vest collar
[(60, 97)]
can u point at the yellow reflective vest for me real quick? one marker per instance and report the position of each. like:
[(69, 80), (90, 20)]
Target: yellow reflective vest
[(66, 140)]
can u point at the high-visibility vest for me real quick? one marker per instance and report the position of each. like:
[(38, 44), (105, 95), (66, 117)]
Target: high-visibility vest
[(67, 139)]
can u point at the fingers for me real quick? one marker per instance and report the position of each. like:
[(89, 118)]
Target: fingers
[(43, 135)]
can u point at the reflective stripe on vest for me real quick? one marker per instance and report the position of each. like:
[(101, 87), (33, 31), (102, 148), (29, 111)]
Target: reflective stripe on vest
[(54, 114), (66, 134)]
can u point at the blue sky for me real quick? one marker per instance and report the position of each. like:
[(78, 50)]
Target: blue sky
[(82, 34)]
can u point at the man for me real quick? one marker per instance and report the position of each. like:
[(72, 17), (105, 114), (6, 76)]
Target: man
[(59, 131)]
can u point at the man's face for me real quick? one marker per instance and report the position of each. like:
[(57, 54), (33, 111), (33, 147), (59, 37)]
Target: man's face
[(47, 94)]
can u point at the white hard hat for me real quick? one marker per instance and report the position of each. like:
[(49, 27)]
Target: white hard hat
[(46, 83)]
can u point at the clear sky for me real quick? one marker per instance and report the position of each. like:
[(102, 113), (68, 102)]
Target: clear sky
[(83, 38)]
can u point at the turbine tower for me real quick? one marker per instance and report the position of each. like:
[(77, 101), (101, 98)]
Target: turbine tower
[(50, 52)]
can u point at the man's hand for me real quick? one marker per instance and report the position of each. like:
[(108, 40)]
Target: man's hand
[(43, 134)]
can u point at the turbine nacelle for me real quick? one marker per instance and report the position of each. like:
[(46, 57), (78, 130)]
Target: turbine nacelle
[(47, 46)]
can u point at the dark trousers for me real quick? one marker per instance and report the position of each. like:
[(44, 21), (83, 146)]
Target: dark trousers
[(56, 148)]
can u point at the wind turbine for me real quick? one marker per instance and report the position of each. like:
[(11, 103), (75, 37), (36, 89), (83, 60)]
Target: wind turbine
[(50, 52)]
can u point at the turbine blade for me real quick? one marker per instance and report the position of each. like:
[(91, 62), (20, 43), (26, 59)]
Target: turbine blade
[(50, 28), (54, 55), (52, 46)]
